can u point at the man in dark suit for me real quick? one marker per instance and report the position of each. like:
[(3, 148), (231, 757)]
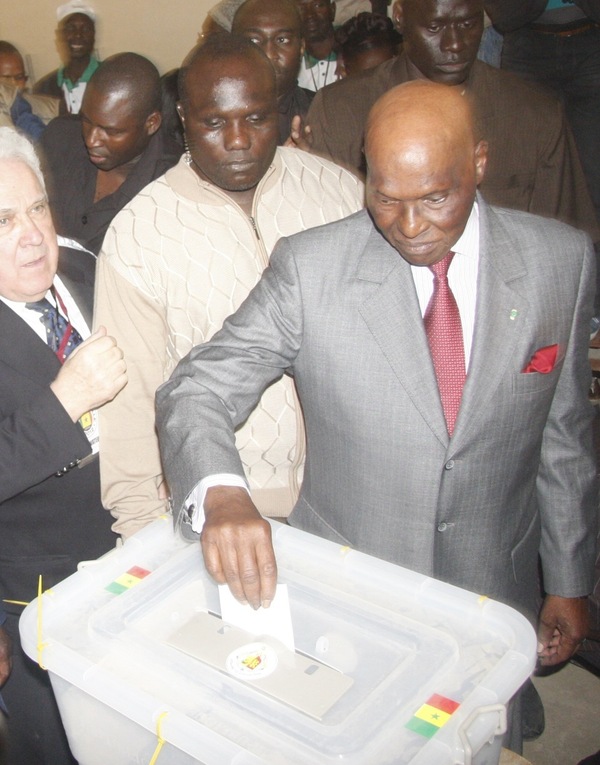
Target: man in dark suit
[(50, 510), (533, 164), (464, 474)]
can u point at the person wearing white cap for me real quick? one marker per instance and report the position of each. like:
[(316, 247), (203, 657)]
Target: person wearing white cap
[(76, 29)]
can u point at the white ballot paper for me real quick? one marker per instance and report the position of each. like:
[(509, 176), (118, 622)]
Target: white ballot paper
[(276, 620)]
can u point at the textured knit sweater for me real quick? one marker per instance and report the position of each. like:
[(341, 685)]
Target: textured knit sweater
[(176, 261)]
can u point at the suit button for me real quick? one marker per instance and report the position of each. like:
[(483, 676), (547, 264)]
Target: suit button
[(442, 526), (84, 219), (449, 465)]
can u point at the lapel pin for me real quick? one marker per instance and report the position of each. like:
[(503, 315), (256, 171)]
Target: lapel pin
[(513, 314)]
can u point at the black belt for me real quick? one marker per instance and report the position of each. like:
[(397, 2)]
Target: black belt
[(565, 30)]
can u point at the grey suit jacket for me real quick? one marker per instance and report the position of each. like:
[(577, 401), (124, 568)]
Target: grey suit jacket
[(337, 308)]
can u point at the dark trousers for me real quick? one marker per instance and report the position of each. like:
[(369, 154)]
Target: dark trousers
[(35, 732)]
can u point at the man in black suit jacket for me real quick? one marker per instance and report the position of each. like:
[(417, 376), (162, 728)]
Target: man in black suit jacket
[(50, 507)]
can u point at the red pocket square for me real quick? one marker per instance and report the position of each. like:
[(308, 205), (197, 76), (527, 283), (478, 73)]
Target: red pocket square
[(543, 360)]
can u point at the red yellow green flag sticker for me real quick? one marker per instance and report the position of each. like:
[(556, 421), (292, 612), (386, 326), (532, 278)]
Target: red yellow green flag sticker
[(127, 580), (432, 716)]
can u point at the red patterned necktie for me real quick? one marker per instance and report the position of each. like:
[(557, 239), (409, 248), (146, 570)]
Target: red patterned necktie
[(444, 333)]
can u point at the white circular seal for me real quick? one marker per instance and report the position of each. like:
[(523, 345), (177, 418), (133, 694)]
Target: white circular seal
[(251, 661)]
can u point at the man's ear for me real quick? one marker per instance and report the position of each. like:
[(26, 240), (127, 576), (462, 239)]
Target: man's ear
[(398, 16), (153, 122), (481, 155)]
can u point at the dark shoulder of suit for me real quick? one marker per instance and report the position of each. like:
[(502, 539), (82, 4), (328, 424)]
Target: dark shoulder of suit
[(78, 269), (339, 111), (70, 176), (508, 109), (529, 140), (48, 85), (58, 144)]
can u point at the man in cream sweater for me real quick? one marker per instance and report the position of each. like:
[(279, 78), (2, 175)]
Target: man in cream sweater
[(184, 254)]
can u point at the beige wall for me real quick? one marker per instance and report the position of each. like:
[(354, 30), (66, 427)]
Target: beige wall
[(162, 30)]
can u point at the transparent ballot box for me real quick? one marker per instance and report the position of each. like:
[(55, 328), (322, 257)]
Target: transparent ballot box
[(389, 667)]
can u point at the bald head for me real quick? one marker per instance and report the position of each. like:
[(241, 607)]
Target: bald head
[(424, 164), (420, 111), (131, 76), (206, 58), (120, 111)]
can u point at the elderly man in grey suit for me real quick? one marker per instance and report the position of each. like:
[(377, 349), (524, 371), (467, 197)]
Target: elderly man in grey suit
[(463, 473)]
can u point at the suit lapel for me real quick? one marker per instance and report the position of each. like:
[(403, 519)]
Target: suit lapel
[(500, 313), (20, 347), (393, 316), (76, 269), (24, 351)]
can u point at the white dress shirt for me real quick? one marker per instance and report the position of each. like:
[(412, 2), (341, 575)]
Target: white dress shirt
[(32, 318), (462, 278)]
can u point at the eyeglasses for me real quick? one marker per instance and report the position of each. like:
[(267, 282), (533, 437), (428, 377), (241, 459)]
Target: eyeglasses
[(16, 78)]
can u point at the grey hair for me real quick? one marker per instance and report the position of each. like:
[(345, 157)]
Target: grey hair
[(15, 146)]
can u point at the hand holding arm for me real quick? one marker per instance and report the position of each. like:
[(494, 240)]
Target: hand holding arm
[(562, 626), (237, 547), (300, 135), (92, 375)]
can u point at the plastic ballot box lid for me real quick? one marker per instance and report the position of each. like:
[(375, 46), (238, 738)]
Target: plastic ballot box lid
[(389, 666)]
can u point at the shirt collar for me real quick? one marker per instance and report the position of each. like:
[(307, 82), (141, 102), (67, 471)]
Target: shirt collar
[(468, 242), (85, 77), (20, 307), (310, 61)]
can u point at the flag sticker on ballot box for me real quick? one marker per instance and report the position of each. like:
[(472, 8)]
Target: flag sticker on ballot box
[(128, 580), (432, 715)]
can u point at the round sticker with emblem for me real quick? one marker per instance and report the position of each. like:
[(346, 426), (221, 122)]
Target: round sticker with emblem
[(251, 661)]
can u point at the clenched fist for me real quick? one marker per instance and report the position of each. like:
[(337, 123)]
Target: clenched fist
[(92, 375)]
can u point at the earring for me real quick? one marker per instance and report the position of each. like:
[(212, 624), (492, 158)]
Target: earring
[(187, 156)]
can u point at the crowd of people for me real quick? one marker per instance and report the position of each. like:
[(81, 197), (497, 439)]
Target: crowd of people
[(340, 275)]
